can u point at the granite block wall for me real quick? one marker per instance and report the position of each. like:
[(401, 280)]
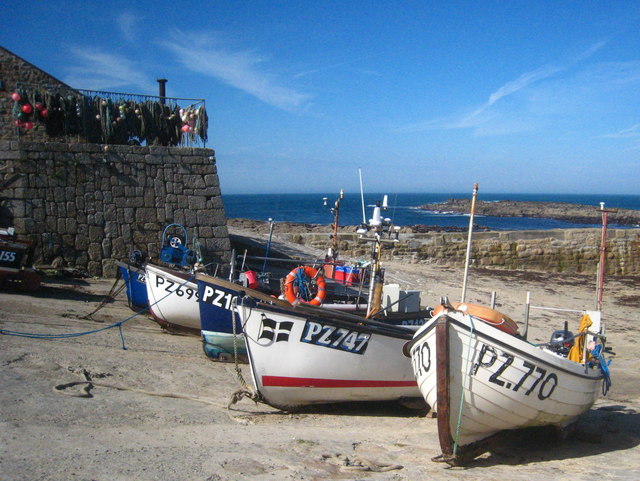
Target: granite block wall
[(90, 205)]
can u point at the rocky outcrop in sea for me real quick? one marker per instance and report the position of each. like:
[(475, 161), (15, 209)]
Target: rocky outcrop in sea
[(576, 213)]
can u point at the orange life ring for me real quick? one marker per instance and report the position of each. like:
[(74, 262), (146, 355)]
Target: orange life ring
[(486, 314), (291, 289)]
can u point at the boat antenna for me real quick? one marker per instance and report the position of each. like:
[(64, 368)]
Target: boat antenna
[(377, 228), (468, 256), (335, 210), (364, 216)]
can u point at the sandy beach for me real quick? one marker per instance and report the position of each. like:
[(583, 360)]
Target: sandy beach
[(157, 410)]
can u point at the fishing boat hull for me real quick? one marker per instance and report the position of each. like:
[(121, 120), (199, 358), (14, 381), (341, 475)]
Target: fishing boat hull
[(302, 356), (221, 338), (173, 299), (482, 381), (219, 296), (136, 286)]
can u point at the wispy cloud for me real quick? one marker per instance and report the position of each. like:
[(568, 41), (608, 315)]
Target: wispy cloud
[(126, 24), (632, 132), (331, 67), (510, 88), (242, 69), (98, 70), (488, 119)]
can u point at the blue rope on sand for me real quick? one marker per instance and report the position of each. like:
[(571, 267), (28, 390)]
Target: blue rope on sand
[(34, 335)]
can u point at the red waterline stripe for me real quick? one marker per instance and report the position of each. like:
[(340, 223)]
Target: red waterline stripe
[(282, 381)]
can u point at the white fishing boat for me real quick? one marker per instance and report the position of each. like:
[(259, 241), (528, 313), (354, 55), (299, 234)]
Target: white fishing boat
[(483, 378), (306, 355), (173, 298)]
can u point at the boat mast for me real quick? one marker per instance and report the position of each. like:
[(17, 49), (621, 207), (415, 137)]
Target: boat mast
[(466, 262), (603, 255), (364, 217), (266, 255)]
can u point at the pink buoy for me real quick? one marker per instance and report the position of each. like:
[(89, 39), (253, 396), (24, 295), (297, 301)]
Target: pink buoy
[(185, 128), (16, 96), (252, 279)]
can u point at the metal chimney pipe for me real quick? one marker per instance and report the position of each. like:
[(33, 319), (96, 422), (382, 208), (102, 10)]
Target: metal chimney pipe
[(162, 90)]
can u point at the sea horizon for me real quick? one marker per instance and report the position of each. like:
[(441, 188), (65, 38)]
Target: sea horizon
[(404, 208)]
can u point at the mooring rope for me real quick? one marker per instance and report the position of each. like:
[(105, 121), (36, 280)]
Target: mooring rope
[(33, 335), (113, 293), (88, 384), (245, 390)]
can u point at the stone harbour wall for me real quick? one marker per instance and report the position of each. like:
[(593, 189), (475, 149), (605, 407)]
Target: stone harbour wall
[(89, 205), (561, 250)]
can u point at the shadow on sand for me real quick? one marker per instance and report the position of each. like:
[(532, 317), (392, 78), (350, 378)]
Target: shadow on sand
[(66, 289), (601, 430)]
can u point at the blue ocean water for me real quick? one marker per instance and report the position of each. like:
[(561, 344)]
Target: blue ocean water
[(404, 211)]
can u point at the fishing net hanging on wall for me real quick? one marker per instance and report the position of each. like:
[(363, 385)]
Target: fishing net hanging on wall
[(110, 118)]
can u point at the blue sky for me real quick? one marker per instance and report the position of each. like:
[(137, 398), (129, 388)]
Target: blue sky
[(424, 96)]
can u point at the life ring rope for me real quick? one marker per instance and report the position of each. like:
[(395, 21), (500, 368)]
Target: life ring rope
[(296, 283)]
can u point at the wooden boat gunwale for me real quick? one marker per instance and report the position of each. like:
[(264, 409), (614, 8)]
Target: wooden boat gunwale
[(577, 371), (339, 318)]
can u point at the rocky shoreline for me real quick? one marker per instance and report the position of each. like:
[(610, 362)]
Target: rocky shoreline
[(261, 226), (576, 213)]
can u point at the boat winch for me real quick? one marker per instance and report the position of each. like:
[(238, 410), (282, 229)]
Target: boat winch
[(174, 248)]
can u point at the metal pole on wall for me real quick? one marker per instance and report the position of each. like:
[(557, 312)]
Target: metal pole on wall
[(162, 89), (466, 262)]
